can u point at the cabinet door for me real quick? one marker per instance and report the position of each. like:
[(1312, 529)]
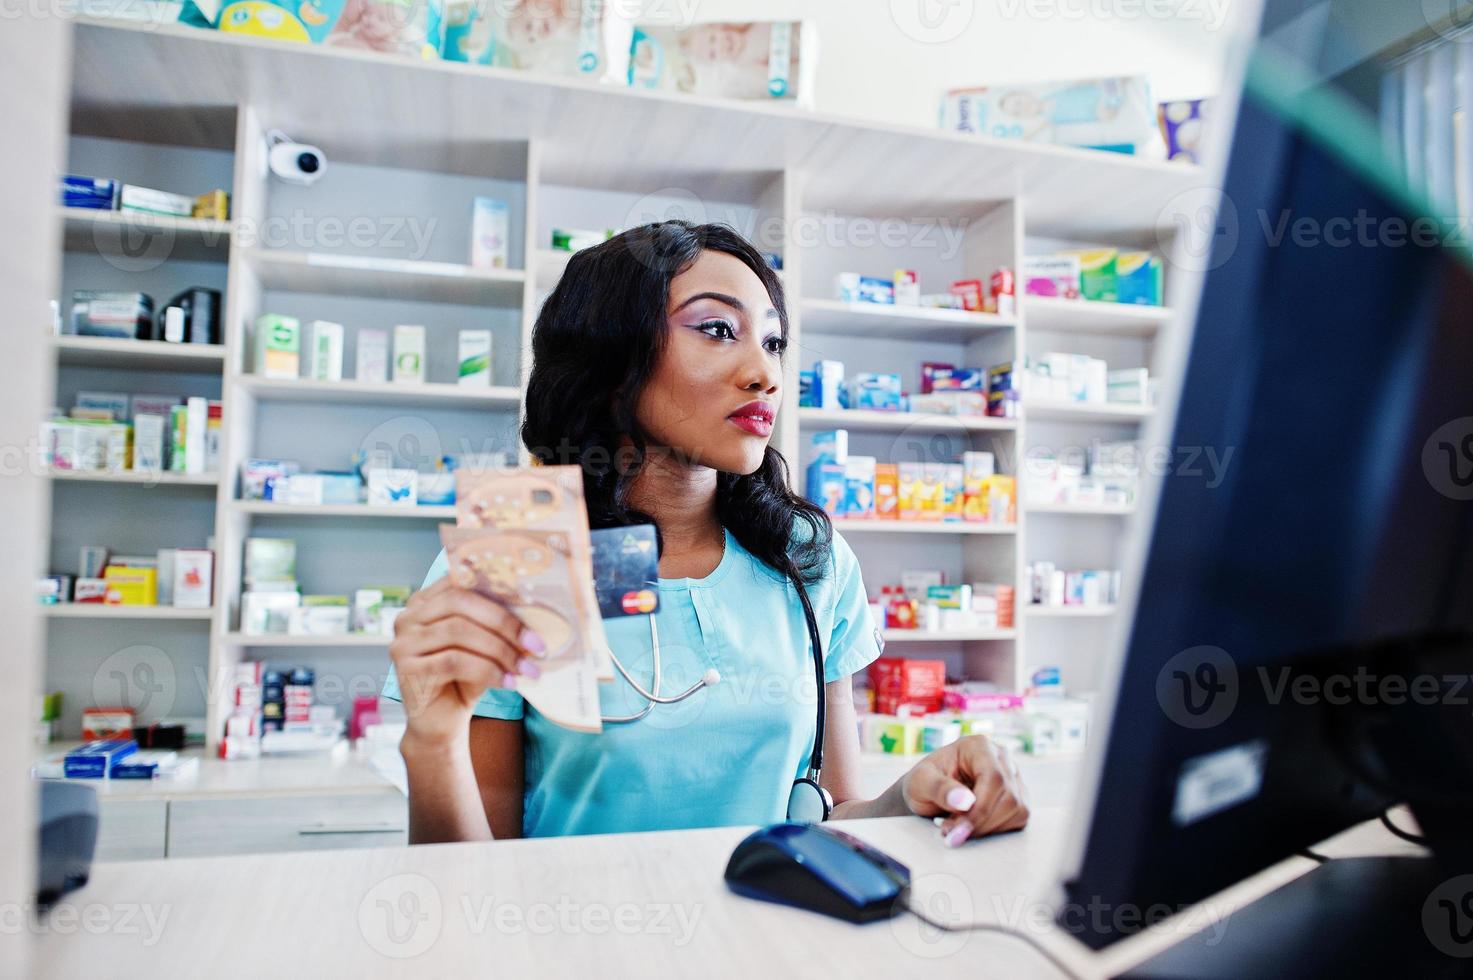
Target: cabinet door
[(131, 830), (259, 824)]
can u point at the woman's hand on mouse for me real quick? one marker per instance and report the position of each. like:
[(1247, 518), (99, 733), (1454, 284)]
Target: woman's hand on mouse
[(972, 785), (450, 645)]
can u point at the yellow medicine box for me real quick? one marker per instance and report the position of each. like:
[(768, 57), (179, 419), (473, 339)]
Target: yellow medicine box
[(128, 586)]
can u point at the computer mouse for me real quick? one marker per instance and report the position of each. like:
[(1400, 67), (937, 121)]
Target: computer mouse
[(818, 868)]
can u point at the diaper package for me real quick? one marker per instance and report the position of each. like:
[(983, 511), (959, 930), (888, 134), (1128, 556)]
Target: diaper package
[(1102, 113), (729, 60), (404, 27), (561, 37)]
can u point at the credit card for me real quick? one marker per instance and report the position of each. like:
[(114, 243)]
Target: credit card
[(626, 569)]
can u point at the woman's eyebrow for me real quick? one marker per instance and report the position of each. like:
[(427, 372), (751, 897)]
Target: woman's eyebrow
[(726, 298)]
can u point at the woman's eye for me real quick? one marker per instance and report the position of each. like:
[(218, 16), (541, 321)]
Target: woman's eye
[(775, 345), (719, 329)]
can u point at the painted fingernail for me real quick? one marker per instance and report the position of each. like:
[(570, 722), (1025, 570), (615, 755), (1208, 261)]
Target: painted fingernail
[(533, 643), (509, 681), (960, 798), (959, 834), (527, 668)]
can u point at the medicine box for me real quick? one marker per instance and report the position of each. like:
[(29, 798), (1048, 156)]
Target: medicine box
[(149, 201), (828, 380), (128, 586), (278, 346), (194, 576), (826, 486), (475, 359), (95, 759), (488, 234), (373, 356), (1051, 276), (97, 193), (887, 491), (326, 351), (392, 487), (101, 313), (148, 442), (409, 354), (1138, 279), (830, 445), (1097, 274), (859, 488), (270, 560), (907, 288), (876, 392)]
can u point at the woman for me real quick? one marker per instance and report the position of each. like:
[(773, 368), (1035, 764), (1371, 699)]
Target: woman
[(658, 367)]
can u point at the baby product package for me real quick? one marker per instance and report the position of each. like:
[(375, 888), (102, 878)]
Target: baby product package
[(729, 60), (521, 537), (562, 37), (1102, 113), (404, 27)]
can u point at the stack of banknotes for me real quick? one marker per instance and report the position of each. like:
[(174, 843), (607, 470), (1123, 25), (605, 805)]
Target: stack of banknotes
[(521, 538)]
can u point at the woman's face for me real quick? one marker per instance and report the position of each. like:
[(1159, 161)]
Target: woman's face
[(717, 386)]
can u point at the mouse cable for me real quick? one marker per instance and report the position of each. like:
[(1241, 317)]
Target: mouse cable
[(1405, 835), (1314, 856), (997, 927)]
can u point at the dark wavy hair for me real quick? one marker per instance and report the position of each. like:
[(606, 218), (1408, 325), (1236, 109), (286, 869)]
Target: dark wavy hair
[(594, 347)]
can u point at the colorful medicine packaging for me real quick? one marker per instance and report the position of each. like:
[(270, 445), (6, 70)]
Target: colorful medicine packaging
[(876, 392), (906, 288), (851, 287), (1138, 279), (828, 379), (969, 293), (96, 193), (1098, 273), (1055, 276), (278, 346)]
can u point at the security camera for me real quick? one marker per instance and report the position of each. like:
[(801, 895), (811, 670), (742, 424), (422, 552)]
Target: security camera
[(295, 163)]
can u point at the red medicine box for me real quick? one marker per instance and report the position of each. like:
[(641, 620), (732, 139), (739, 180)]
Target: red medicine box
[(905, 686)]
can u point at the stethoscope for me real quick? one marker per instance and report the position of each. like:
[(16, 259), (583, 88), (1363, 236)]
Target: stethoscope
[(807, 800)]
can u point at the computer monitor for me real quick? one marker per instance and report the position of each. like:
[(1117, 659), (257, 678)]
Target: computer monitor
[(1300, 638)]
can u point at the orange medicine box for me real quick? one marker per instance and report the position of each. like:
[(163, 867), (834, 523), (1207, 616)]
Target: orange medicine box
[(887, 491)]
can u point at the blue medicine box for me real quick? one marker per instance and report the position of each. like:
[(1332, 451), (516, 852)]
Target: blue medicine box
[(95, 759)]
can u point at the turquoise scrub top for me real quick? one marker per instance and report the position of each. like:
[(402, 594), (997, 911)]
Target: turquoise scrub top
[(728, 754)]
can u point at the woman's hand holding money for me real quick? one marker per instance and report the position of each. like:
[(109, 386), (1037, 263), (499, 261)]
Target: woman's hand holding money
[(450, 645)]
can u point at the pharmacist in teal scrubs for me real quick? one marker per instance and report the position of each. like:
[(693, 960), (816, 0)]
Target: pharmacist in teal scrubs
[(658, 368)]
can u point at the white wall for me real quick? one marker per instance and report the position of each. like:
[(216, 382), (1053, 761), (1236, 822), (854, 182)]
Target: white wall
[(879, 60)]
